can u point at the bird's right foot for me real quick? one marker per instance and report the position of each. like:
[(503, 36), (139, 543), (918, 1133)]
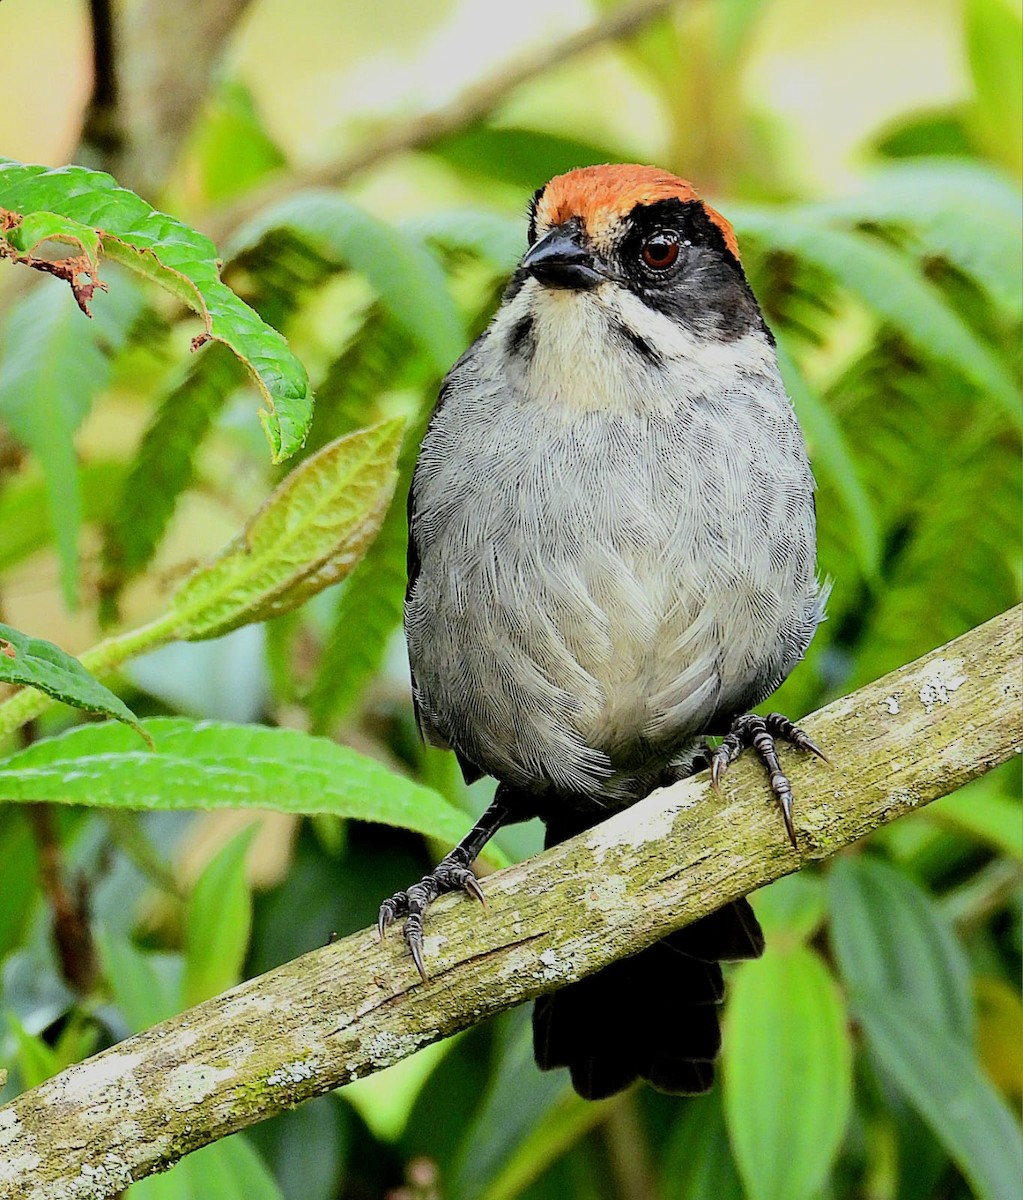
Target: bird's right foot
[(451, 874)]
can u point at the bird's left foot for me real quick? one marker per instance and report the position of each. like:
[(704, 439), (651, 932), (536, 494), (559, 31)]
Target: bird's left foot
[(760, 733)]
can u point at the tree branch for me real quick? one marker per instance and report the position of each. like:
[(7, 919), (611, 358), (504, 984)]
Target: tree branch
[(101, 132), (161, 92), (351, 1008), (475, 103)]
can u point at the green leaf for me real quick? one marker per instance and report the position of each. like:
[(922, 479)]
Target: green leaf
[(890, 940), (35, 228), (552, 1137), (519, 1104), (211, 765), (163, 468), (139, 989), (922, 135), (697, 1163), (52, 364), (370, 367), (940, 1077), (406, 277), (983, 812), (994, 44), (526, 158), (20, 858), (833, 457), (308, 535), (226, 1170), (963, 212), (40, 664), (368, 611), (889, 284), (218, 922), (174, 256), (908, 985), (385, 1098), (498, 240), (36, 1061), (791, 909), (232, 148), (921, 431), (25, 495), (787, 1074)]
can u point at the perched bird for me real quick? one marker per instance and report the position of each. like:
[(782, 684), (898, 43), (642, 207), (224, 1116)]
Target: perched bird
[(612, 555)]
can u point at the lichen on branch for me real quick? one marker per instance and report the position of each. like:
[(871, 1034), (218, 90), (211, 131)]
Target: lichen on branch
[(355, 1006)]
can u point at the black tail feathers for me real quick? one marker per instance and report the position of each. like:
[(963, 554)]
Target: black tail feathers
[(653, 1016)]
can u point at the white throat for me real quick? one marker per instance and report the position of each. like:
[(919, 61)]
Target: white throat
[(583, 355)]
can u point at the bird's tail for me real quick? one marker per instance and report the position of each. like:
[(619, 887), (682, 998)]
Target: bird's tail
[(653, 1016)]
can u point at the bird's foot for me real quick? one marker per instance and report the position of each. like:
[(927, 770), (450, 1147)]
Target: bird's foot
[(451, 874), (760, 733)]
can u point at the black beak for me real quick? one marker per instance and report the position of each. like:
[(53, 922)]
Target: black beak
[(559, 260)]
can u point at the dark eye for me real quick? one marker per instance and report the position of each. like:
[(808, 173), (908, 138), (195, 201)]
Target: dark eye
[(660, 250)]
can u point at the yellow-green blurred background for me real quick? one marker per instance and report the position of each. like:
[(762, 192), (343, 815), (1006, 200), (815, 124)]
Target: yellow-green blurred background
[(870, 156)]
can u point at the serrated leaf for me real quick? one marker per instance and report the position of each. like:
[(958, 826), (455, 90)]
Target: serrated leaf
[(787, 1074), (406, 277), (940, 1077), (889, 939), (917, 609), (163, 468), (52, 365), (176, 257), (309, 534), (889, 284), (37, 227), (218, 921), (36, 663), (212, 765)]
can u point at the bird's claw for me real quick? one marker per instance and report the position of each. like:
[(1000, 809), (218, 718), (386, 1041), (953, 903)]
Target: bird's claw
[(450, 875), (760, 734)]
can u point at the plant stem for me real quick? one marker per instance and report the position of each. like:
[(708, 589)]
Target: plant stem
[(28, 703)]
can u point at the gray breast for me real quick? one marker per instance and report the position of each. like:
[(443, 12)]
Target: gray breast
[(595, 587)]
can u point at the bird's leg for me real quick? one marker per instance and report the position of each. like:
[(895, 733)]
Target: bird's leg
[(451, 874), (760, 733)]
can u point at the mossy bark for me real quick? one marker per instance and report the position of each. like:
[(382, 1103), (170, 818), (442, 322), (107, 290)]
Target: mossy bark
[(351, 1008)]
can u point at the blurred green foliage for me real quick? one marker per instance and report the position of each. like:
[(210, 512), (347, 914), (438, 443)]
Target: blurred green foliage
[(877, 1049)]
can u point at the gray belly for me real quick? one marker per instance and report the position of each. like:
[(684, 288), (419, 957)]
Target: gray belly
[(592, 593)]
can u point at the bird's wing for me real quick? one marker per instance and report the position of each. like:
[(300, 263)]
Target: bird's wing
[(427, 730)]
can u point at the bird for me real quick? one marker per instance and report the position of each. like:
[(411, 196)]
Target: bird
[(611, 559)]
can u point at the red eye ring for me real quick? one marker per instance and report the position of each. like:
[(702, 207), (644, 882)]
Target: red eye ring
[(660, 250)]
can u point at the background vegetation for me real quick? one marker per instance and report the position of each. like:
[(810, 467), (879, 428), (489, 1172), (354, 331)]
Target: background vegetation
[(369, 208)]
